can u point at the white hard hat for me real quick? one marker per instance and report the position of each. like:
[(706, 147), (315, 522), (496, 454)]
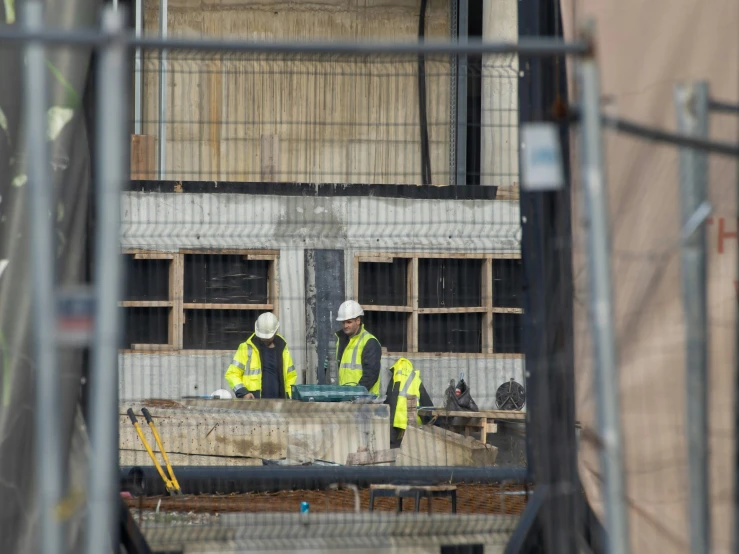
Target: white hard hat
[(222, 394), (266, 325), (349, 310)]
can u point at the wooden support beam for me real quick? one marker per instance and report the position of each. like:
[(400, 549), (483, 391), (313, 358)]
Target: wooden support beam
[(176, 294), (463, 310), (213, 306), (413, 297), (143, 157), (373, 308), (376, 259), (151, 347), (487, 300), (273, 287), (145, 304), (239, 251)]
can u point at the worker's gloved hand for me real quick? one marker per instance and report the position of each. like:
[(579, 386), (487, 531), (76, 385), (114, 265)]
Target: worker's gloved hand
[(248, 396)]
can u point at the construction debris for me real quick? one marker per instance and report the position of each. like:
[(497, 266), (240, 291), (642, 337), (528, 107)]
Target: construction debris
[(434, 446)]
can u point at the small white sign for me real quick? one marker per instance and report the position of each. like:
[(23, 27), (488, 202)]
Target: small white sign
[(541, 157)]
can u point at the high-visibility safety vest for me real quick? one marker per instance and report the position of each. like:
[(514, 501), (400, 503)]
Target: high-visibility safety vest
[(350, 366), (410, 385), (245, 370)]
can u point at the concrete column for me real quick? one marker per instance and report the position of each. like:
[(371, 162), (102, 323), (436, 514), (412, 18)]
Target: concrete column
[(499, 133)]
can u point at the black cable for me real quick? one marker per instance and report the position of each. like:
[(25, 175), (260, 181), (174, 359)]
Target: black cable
[(658, 135), (422, 116), (723, 107)]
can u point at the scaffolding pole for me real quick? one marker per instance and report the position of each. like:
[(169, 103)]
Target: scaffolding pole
[(691, 107), (111, 134), (41, 202), (601, 306)]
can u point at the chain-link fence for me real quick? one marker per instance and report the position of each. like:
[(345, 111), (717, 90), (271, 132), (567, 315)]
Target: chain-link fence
[(292, 183), (417, 349), (287, 182)]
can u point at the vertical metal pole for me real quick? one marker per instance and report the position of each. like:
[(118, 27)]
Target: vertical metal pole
[(163, 92), (601, 310), (691, 107), (111, 134), (453, 89), (464, 12), (41, 202), (137, 91)]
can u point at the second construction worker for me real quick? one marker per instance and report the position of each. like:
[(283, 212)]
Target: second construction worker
[(358, 352), (262, 366), (404, 384)]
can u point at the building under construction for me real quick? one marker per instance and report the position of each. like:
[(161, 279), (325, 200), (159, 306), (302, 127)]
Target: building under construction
[(214, 161)]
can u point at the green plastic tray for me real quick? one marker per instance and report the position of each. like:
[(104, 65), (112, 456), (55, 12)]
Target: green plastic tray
[(328, 393)]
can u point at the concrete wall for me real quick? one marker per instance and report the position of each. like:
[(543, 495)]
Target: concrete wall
[(327, 119), (292, 224)]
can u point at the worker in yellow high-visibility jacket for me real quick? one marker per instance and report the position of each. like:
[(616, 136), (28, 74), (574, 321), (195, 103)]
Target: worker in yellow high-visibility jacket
[(405, 383), (262, 366), (358, 351)]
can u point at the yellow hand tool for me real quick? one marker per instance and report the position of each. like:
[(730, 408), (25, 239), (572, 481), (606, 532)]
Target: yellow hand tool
[(171, 485), (150, 421)]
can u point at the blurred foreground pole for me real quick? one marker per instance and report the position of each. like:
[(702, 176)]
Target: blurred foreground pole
[(607, 392), (41, 202), (111, 150), (691, 106)]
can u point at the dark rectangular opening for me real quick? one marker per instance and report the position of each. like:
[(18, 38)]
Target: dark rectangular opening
[(449, 283), (507, 332), (474, 98), (384, 284), (463, 549), (146, 279), (145, 326), (390, 328), (217, 329), (225, 279), (450, 333), (507, 284)]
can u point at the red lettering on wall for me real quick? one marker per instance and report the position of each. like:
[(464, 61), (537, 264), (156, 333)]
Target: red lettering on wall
[(723, 234)]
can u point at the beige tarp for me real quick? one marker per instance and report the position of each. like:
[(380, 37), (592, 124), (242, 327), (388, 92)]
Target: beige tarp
[(644, 48)]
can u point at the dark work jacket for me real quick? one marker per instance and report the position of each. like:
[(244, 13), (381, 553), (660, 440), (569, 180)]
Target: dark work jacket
[(279, 347), (371, 358)]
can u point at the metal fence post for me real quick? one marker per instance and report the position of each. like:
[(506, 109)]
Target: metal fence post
[(691, 107), (41, 202), (111, 134), (597, 220)]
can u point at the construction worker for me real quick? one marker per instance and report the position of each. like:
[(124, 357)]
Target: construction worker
[(357, 351), (405, 383), (262, 366)]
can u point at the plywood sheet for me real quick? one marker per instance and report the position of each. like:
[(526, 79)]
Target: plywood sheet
[(644, 48), (311, 104)]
